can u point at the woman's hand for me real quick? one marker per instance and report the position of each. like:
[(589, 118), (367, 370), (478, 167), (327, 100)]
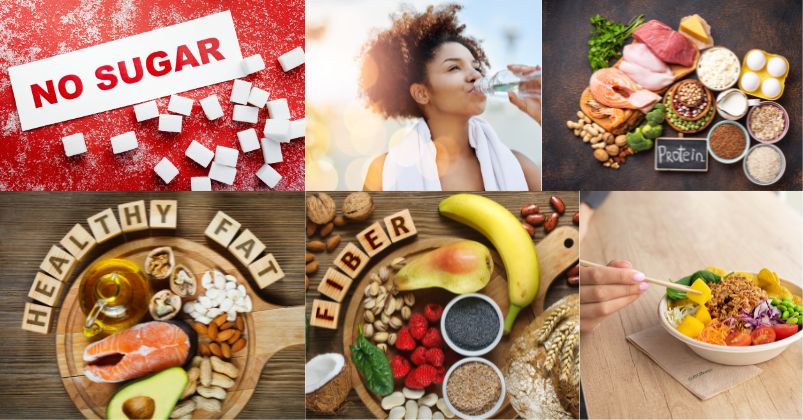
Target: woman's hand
[(530, 104), (605, 290)]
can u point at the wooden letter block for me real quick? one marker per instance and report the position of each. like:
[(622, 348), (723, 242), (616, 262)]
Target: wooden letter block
[(400, 225), (36, 318), (222, 229), (335, 285), (78, 241), (58, 263), (373, 239), (246, 247), (104, 226), (351, 260), (164, 214), (45, 289), (324, 314), (133, 216), (266, 271)]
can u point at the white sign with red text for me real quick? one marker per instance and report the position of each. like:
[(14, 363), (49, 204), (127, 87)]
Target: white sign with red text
[(127, 71)]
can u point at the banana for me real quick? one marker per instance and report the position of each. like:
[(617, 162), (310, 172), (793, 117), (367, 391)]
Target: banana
[(512, 242)]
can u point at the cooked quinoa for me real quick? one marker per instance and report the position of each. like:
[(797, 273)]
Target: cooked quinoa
[(733, 295)]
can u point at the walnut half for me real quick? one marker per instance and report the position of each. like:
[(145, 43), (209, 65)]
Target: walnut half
[(160, 262)]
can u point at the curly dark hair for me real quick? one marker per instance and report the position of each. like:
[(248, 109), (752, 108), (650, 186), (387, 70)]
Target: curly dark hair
[(396, 58)]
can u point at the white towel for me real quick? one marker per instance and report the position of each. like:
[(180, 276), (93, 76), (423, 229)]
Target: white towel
[(411, 166)]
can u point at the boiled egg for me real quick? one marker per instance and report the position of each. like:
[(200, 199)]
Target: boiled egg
[(771, 87), (755, 60), (750, 81), (776, 66)]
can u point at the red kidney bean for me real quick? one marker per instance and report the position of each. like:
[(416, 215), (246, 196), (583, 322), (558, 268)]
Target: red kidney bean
[(536, 219), (529, 209), (557, 204), (551, 223)]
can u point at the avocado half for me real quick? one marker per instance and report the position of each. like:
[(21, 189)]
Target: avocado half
[(153, 397)]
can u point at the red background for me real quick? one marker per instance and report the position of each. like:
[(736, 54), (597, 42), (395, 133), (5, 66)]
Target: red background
[(31, 30)]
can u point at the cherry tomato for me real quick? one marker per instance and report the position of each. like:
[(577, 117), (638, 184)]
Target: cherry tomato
[(784, 330), (763, 335), (738, 338)]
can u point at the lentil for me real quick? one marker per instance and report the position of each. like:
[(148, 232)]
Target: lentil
[(767, 122), (472, 324), (473, 388), (727, 141)]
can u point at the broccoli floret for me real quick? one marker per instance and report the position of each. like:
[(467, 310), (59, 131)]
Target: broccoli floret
[(659, 106), (637, 141), (655, 117), (651, 131)]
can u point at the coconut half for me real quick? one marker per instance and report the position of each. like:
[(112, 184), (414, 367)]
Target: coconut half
[(326, 382)]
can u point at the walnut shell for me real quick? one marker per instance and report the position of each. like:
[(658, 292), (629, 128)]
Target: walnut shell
[(183, 287), (160, 267), (164, 305), (321, 208), (358, 206)]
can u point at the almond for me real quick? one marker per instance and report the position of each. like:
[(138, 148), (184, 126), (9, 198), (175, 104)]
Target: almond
[(308, 257), (340, 221), (332, 243), (315, 246), (226, 350), (225, 335), (312, 267), (327, 229), (199, 328), (311, 228), (240, 323), (234, 337), (226, 326), (238, 345), (219, 319), (211, 332), (204, 350), (214, 348)]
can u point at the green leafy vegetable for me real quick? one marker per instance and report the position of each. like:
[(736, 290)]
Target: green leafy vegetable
[(707, 276), (607, 38), (372, 365)]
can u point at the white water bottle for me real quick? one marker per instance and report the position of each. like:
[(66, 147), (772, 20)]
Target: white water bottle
[(505, 81)]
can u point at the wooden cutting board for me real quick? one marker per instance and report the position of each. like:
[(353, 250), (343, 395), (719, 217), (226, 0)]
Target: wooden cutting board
[(268, 329), (557, 252)]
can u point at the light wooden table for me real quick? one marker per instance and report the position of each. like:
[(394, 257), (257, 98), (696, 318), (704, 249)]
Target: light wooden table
[(671, 234)]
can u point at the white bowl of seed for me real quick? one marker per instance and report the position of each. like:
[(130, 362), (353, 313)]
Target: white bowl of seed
[(474, 388)]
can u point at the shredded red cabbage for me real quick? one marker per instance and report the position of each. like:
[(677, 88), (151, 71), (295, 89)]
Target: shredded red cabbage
[(763, 315)]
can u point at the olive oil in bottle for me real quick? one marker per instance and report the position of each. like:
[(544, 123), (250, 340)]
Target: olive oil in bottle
[(114, 295)]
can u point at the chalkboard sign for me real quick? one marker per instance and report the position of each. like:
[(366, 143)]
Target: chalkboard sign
[(681, 154)]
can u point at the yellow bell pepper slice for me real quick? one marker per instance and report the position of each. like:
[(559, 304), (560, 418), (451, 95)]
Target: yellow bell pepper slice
[(691, 327), (699, 298), (703, 315)]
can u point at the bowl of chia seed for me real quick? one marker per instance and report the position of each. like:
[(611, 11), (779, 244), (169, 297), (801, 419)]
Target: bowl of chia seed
[(471, 324), (474, 388)]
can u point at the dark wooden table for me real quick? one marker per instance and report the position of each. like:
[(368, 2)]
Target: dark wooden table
[(424, 210), (31, 222), (739, 25)]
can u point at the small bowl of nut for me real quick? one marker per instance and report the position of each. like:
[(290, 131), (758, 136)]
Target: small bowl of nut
[(768, 122)]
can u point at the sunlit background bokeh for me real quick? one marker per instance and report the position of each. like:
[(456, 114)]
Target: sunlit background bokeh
[(343, 135)]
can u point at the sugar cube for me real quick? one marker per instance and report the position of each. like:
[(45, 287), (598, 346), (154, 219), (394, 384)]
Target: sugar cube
[(211, 107), (258, 97), (146, 111), (247, 114), (74, 144), (124, 142), (278, 109), (277, 130), (199, 153), (271, 151), (292, 59), (200, 183), (180, 105), (268, 175), (248, 140), (222, 173), (166, 170), (226, 156), (253, 64), (298, 128), (240, 91), (170, 123)]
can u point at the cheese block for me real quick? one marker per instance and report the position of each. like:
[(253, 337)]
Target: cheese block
[(696, 30)]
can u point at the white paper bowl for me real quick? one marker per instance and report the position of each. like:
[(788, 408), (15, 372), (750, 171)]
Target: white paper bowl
[(727, 355)]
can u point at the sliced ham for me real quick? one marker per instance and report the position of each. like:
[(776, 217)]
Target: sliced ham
[(667, 44), (612, 87)]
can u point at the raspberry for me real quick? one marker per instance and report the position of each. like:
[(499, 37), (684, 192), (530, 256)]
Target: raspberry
[(418, 357), (421, 377), (433, 312), (435, 357), (405, 341), (432, 338), (399, 366), (418, 325), (440, 373)]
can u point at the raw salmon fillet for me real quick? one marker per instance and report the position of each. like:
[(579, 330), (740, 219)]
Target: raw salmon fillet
[(613, 88), (137, 351)]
